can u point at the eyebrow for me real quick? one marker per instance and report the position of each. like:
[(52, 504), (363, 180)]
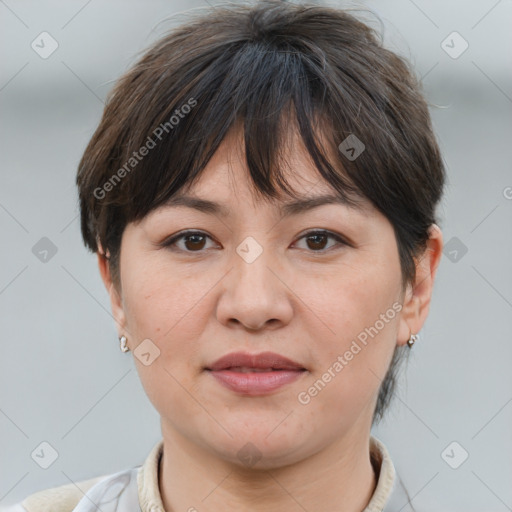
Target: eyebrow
[(294, 207)]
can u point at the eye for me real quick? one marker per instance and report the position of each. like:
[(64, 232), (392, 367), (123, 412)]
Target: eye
[(316, 240), (193, 241)]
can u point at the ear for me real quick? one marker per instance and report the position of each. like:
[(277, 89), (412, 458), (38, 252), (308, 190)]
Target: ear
[(417, 297), (115, 298)]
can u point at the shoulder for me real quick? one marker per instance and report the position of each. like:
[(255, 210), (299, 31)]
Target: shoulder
[(63, 498), (123, 487)]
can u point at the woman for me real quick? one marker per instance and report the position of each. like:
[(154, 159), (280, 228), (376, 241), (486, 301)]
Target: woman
[(261, 195)]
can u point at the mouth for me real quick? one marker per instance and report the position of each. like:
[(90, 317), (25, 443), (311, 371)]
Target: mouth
[(265, 361), (247, 369), (255, 374)]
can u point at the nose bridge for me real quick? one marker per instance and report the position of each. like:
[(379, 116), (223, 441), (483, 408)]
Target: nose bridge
[(251, 262), (253, 294)]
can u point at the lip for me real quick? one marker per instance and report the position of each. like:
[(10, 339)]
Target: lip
[(245, 373), (259, 361)]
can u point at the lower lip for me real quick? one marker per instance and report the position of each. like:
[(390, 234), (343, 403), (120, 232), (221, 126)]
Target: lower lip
[(256, 383)]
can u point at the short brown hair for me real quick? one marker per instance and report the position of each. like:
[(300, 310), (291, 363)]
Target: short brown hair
[(246, 65)]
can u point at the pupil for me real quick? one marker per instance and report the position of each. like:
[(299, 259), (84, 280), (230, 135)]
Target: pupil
[(312, 237), (194, 239)]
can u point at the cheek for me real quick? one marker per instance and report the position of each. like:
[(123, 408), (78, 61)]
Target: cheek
[(169, 309), (356, 319), (162, 303), (350, 300)]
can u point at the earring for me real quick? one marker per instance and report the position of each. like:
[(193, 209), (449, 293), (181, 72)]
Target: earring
[(412, 339), (122, 343)]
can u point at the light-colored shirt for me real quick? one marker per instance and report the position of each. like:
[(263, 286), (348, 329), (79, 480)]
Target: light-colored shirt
[(137, 490)]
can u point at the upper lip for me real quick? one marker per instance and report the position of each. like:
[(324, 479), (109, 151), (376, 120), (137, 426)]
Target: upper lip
[(261, 360)]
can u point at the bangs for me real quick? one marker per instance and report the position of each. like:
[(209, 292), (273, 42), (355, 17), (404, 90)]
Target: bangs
[(264, 94)]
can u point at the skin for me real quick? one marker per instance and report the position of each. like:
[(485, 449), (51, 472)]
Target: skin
[(305, 300)]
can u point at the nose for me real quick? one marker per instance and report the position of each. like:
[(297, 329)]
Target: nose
[(255, 295)]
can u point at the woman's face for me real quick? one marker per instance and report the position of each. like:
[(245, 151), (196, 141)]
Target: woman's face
[(254, 281)]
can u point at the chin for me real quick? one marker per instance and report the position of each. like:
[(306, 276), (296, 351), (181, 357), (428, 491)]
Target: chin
[(260, 446)]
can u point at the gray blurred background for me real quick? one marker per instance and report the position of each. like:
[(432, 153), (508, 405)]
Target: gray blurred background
[(63, 379)]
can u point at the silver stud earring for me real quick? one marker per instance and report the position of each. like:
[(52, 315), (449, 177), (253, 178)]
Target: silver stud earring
[(412, 339), (122, 344)]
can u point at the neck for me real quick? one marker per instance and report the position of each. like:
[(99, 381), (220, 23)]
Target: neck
[(341, 477)]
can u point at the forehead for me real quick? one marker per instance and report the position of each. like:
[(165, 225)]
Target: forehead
[(287, 208)]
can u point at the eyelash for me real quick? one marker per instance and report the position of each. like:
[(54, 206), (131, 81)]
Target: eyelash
[(172, 241)]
